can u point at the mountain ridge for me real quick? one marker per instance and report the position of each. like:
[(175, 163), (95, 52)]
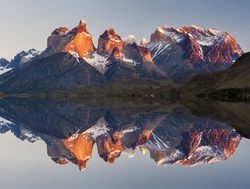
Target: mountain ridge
[(172, 53)]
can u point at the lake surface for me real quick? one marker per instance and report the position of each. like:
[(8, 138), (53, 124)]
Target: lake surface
[(45, 144)]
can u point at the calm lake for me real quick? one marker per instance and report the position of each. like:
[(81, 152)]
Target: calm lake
[(57, 144)]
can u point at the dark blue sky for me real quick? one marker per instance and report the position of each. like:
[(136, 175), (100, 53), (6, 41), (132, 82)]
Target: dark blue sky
[(27, 24)]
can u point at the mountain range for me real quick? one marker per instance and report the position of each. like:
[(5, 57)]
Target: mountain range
[(19, 60), (71, 59)]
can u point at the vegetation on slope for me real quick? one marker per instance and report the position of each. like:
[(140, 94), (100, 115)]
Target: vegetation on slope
[(229, 85)]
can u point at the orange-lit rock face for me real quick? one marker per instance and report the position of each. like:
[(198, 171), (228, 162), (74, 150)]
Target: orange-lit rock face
[(78, 41), (193, 50), (108, 41), (110, 148), (225, 51), (145, 54), (82, 43), (81, 147), (144, 137), (115, 55), (78, 149)]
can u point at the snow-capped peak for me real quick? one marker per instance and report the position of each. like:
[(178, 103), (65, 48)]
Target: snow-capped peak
[(30, 54), (23, 57), (165, 33), (196, 27), (20, 59), (215, 31), (162, 29)]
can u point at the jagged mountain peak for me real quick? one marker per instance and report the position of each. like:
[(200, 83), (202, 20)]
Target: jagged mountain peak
[(108, 41), (193, 27), (178, 53), (192, 50), (137, 52), (110, 32), (23, 57), (60, 31), (162, 29), (19, 60), (82, 22), (77, 41), (165, 33), (82, 27), (206, 36)]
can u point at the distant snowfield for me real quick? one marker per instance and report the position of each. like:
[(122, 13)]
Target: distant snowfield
[(20, 59), (4, 121), (4, 70)]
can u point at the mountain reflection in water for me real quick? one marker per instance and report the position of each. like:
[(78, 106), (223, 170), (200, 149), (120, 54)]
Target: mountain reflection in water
[(72, 130)]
